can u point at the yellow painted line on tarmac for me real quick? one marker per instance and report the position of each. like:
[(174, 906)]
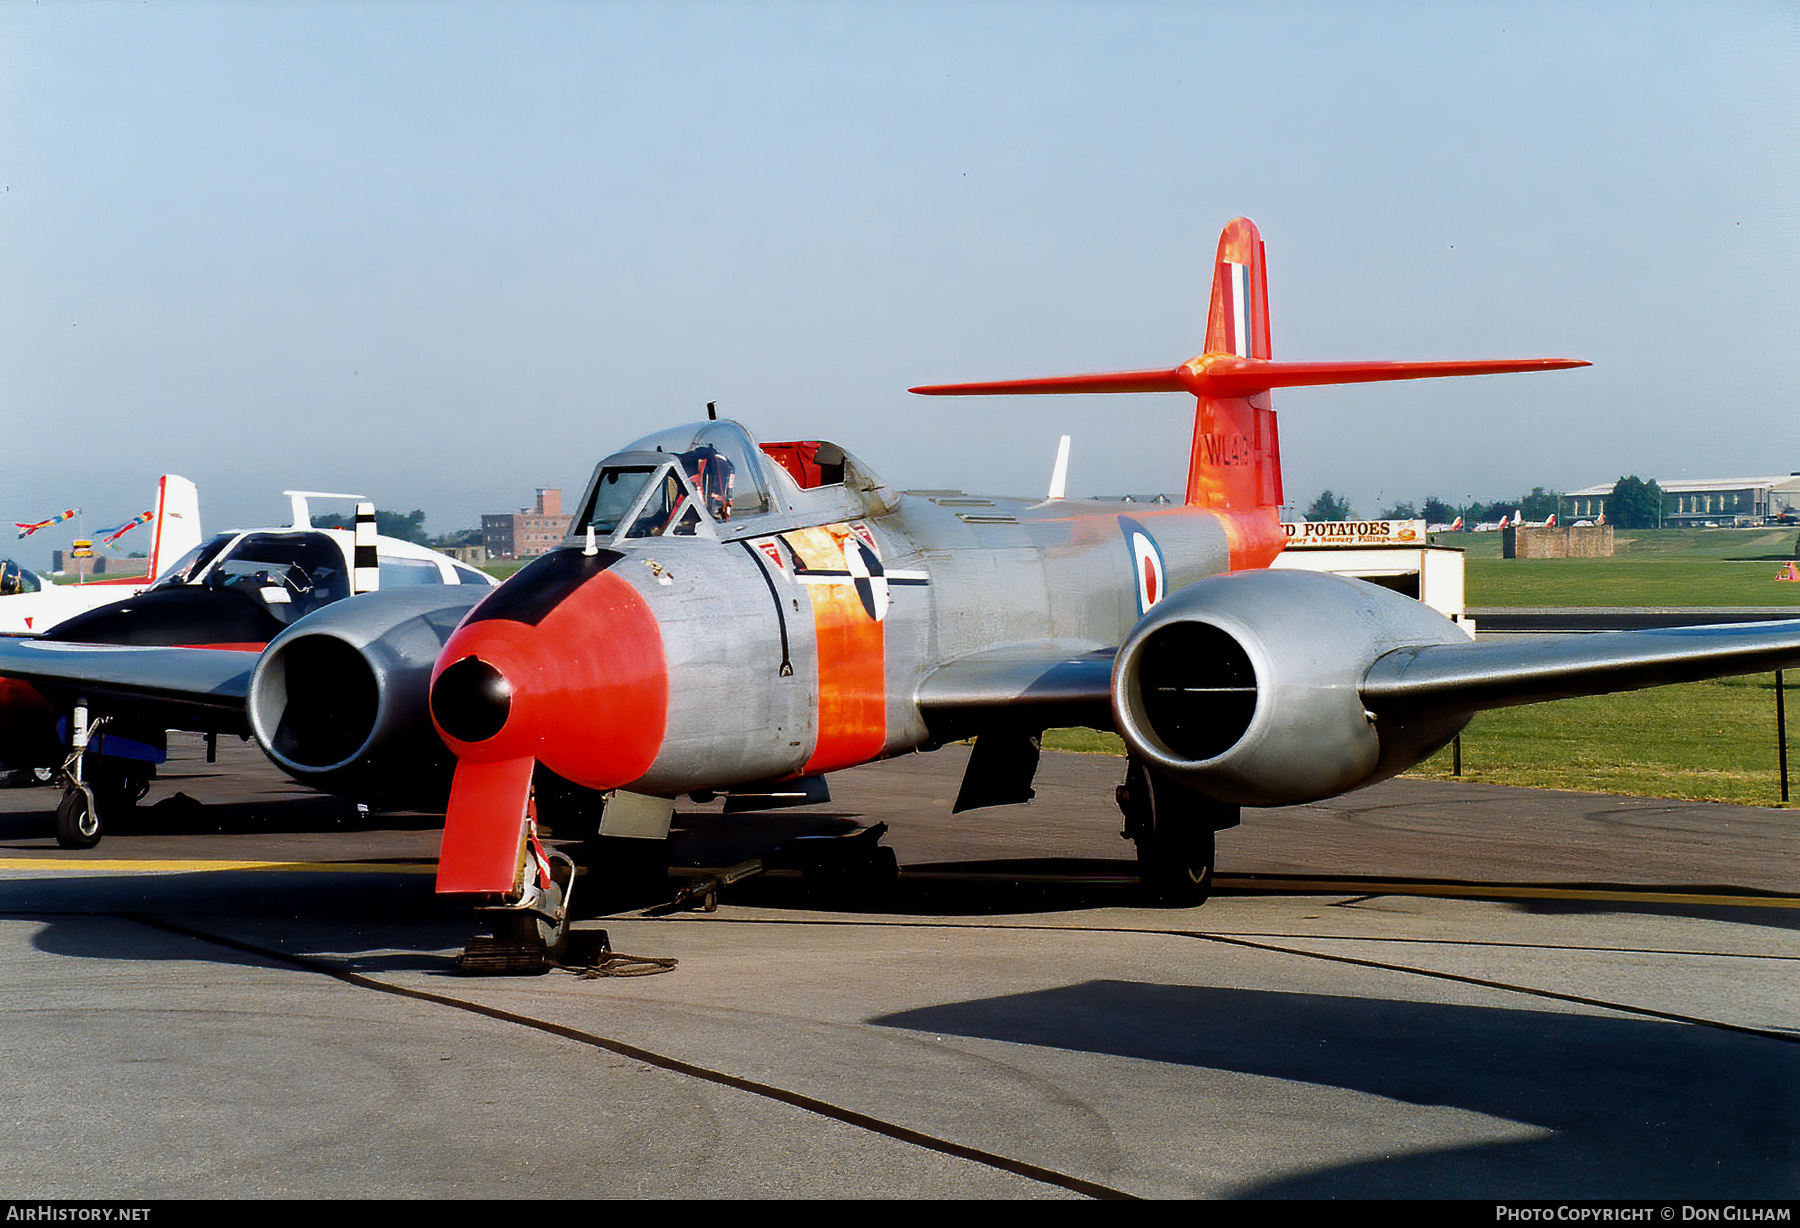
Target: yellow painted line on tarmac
[(66, 865), (1313, 886)]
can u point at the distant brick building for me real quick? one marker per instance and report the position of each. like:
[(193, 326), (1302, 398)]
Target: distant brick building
[(1589, 541), (99, 565), (525, 534)]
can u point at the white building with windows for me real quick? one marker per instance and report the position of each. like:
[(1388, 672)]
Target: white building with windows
[(1706, 501)]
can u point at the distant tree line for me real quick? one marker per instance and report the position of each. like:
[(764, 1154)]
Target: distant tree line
[(407, 526), (1328, 507), (1634, 504)]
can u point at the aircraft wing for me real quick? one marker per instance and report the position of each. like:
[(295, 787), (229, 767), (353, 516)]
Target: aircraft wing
[(1471, 677), (1040, 685), (197, 688), (1046, 686)]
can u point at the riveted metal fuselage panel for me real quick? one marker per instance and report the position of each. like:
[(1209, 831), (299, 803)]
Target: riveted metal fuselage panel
[(933, 580)]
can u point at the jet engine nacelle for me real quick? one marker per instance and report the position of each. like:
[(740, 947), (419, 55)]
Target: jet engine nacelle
[(338, 700), (1246, 687)]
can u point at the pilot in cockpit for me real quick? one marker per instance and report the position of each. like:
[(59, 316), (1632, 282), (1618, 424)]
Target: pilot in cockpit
[(713, 475), (669, 509)]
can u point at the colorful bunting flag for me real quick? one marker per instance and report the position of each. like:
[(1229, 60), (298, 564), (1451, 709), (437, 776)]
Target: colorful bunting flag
[(26, 530), (109, 536)]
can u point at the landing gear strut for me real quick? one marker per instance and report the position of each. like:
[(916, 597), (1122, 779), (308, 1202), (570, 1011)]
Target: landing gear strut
[(1173, 828), (531, 934), (98, 791)]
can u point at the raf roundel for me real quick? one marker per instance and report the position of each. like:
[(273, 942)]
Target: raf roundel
[(1146, 564)]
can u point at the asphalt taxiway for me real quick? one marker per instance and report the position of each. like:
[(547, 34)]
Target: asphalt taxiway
[(1425, 989)]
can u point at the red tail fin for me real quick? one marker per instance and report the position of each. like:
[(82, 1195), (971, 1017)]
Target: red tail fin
[(1235, 463)]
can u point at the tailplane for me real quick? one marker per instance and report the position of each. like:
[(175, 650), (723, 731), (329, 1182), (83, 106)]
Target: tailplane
[(1234, 465)]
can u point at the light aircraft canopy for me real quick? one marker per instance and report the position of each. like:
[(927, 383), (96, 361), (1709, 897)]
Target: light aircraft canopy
[(296, 571), (16, 578)]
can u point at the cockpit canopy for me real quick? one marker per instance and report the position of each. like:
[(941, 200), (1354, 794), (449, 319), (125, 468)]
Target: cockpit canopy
[(672, 482), (17, 579), (299, 570), (295, 571), (705, 477)]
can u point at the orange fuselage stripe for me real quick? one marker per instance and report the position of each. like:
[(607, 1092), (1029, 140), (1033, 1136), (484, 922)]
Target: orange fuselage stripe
[(852, 680)]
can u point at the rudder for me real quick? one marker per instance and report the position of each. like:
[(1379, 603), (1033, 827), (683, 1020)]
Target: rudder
[(1234, 464)]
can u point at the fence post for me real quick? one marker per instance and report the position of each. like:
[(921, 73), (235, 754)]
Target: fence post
[(1781, 735)]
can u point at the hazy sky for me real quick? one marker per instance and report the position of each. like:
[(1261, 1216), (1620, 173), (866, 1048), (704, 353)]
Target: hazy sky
[(444, 253)]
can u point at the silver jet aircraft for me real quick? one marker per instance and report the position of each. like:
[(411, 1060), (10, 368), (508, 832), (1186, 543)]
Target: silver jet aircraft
[(729, 616), (737, 618)]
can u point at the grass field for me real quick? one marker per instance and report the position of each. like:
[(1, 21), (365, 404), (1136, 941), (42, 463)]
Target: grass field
[(1652, 567), (1705, 741), (1708, 741)]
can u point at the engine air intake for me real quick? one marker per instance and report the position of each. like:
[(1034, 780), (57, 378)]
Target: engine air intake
[(323, 701), (1199, 689)]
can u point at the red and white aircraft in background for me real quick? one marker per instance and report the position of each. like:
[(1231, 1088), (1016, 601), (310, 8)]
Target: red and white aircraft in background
[(31, 605)]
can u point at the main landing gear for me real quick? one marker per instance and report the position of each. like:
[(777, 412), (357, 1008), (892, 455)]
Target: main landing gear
[(1173, 828)]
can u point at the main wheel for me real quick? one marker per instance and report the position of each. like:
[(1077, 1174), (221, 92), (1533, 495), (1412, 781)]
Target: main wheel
[(78, 823), (1173, 829), (1176, 867)]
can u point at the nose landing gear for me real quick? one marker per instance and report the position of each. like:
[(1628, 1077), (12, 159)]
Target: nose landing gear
[(530, 934), (97, 792)]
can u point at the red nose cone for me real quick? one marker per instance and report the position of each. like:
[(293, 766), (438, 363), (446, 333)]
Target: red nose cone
[(584, 690)]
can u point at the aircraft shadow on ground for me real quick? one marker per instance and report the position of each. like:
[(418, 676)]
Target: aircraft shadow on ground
[(397, 914), (985, 888), (1052, 884), (992, 889), (1639, 1108), (1735, 914), (176, 814), (406, 939)]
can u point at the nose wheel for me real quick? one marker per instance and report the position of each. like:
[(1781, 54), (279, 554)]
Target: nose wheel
[(96, 788), (78, 823), (531, 936)]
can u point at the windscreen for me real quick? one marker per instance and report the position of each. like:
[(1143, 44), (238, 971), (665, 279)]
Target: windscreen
[(615, 492), (669, 509), (194, 562), (307, 567)]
